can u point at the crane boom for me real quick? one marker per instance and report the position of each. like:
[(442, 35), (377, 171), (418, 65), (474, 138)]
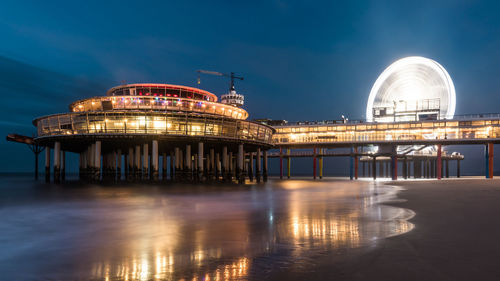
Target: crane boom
[(232, 76), (210, 72)]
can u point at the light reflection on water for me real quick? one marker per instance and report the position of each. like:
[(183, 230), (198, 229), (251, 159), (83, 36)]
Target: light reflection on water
[(188, 232)]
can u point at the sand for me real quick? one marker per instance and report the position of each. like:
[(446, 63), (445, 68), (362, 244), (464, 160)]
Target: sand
[(456, 237)]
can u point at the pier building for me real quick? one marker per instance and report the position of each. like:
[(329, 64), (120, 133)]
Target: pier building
[(410, 118), (138, 130)]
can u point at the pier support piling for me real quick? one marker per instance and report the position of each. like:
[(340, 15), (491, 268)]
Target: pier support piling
[(314, 163), (241, 157), (356, 163), (47, 164), (439, 162), (57, 161), (200, 161), (250, 166), (154, 160), (258, 167), (351, 164), (321, 163), (63, 165), (97, 159), (164, 166), (188, 163), (288, 163), (264, 173), (281, 163), (488, 157)]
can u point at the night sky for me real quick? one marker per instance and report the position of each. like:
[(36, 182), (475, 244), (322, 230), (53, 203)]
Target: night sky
[(301, 60)]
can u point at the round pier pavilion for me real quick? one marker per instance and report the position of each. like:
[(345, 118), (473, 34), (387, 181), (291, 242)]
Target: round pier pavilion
[(136, 131)]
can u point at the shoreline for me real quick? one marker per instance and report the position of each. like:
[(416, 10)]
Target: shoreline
[(456, 236)]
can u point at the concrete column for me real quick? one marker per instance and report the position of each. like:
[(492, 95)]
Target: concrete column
[(250, 166), (105, 165), (137, 162), (212, 164), (83, 164), (195, 167), (118, 164), (188, 163), (63, 165), (433, 168), (97, 159), (177, 161), (154, 159), (258, 168), (200, 161), (230, 166), (130, 163), (164, 166), (405, 168), (224, 170), (172, 165), (241, 157), (394, 166), (47, 164), (447, 162), (217, 166), (125, 165), (181, 172), (91, 161), (57, 161), (177, 152), (264, 172), (207, 166), (145, 161)]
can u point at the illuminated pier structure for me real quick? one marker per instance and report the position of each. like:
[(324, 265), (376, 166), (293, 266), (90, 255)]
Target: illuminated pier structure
[(398, 143), (136, 131)]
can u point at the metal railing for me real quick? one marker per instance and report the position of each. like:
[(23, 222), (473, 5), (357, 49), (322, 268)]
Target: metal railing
[(151, 123)]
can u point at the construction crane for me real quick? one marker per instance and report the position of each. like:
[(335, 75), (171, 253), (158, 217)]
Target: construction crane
[(231, 98), (232, 76)]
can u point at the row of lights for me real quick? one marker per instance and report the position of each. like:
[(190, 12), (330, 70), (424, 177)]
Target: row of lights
[(178, 103)]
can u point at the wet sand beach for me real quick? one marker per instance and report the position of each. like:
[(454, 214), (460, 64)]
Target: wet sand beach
[(456, 237)]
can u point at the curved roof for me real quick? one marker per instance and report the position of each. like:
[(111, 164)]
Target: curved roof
[(413, 79), (168, 86)]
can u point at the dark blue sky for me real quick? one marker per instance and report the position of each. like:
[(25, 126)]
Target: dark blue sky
[(301, 60)]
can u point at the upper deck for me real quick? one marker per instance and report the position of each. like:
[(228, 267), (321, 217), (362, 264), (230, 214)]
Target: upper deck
[(479, 129), (161, 90)]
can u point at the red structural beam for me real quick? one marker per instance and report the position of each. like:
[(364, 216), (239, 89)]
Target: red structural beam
[(314, 163)]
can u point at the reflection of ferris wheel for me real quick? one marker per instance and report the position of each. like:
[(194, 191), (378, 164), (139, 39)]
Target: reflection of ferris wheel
[(412, 88)]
